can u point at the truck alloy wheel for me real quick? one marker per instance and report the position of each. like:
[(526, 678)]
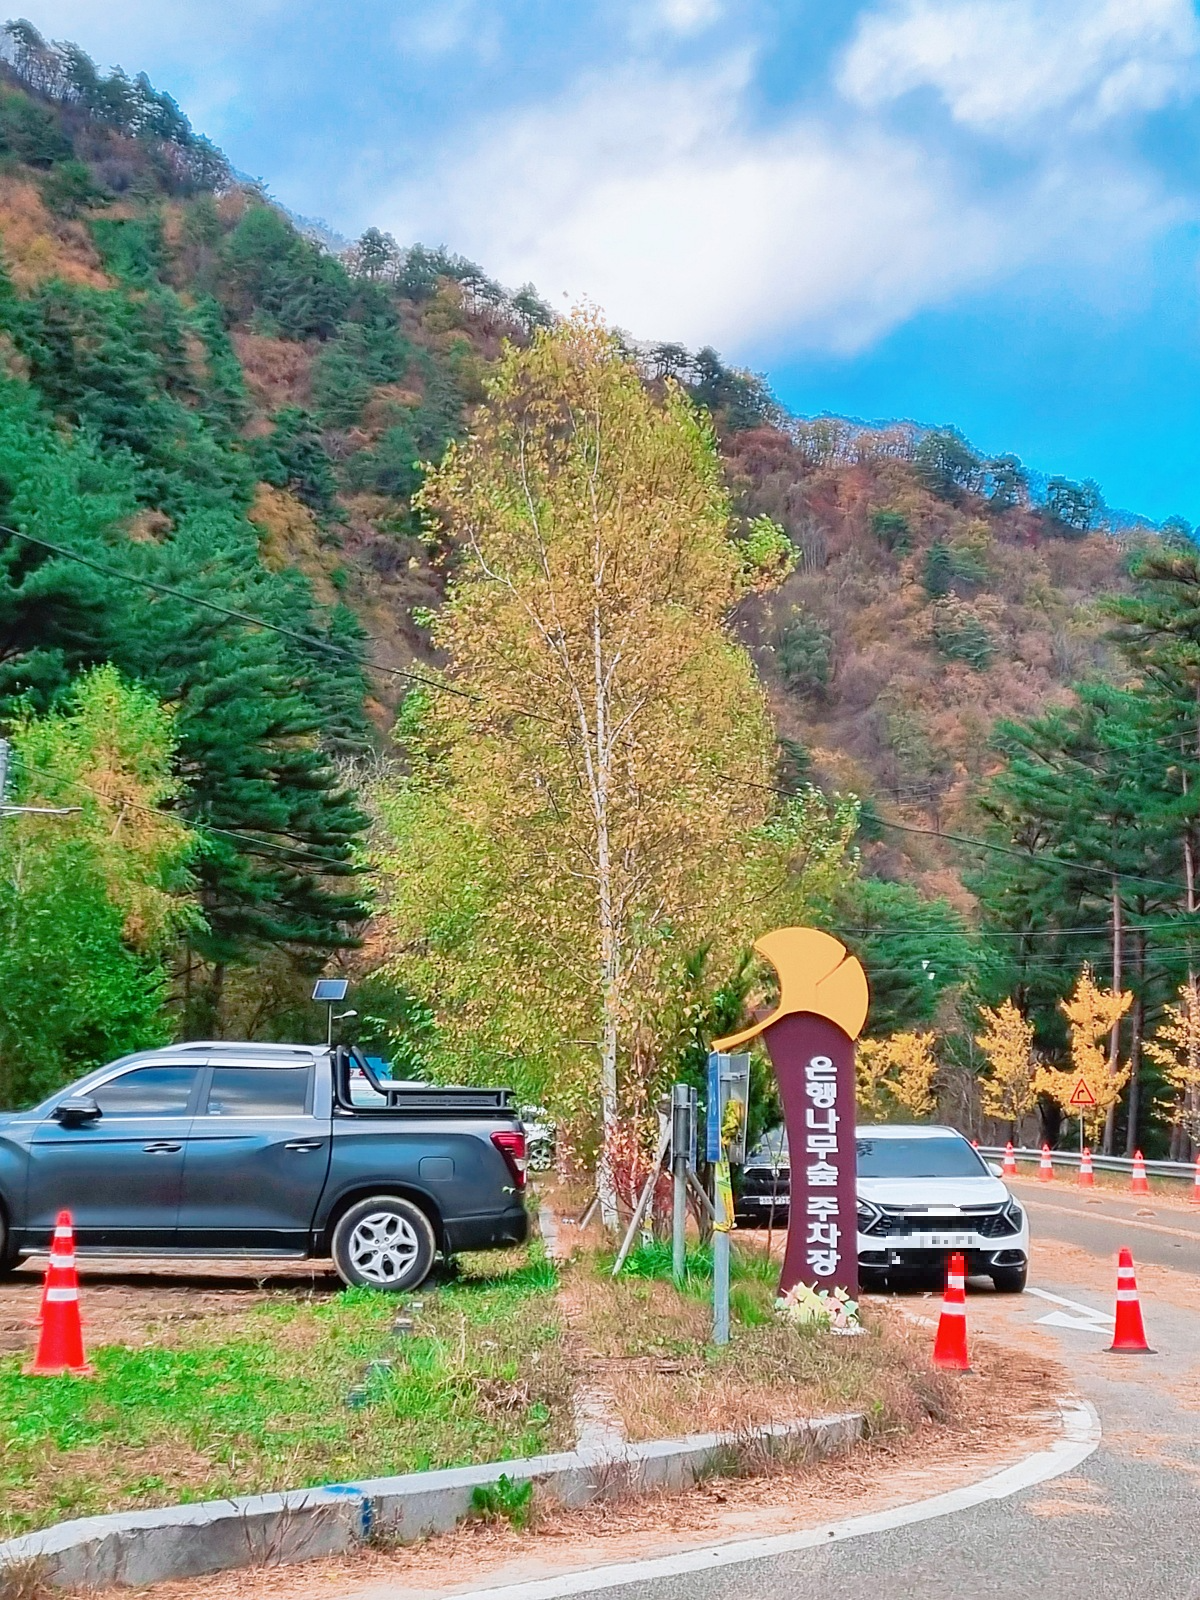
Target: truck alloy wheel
[(383, 1243)]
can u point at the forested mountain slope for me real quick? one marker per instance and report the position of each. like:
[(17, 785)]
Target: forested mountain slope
[(226, 421)]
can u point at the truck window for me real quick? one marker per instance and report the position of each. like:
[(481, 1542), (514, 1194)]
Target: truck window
[(148, 1092), (258, 1091)]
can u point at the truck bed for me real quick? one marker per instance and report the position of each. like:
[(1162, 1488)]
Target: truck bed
[(359, 1091)]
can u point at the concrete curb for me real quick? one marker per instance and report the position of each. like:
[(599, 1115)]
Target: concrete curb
[(143, 1547)]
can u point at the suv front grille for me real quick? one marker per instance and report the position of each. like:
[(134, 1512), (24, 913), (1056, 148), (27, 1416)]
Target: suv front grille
[(989, 1222)]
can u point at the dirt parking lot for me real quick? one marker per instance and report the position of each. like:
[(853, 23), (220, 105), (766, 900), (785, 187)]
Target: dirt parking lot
[(134, 1303)]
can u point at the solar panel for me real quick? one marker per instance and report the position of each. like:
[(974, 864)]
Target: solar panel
[(330, 989)]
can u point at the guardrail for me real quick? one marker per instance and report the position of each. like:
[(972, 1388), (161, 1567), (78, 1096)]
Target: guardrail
[(1070, 1158)]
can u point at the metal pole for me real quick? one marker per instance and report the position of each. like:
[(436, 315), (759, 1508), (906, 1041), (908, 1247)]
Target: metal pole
[(679, 1170), (721, 1228)]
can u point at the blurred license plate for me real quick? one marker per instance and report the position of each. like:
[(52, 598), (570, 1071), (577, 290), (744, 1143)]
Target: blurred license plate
[(942, 1241)]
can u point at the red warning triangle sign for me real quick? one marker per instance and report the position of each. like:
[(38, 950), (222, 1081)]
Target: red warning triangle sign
[(1081, 1095)]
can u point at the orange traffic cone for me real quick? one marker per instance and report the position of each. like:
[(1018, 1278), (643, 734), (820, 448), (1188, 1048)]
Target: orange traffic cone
[(60, 1343), (62, 1260), (1086, 1179), (1138, 1183), (950, 1346), (1129, 1333), (1196, 1184), (1008, 1168), (1045, 1166)]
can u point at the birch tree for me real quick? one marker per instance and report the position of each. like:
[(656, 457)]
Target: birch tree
[(594, 801)]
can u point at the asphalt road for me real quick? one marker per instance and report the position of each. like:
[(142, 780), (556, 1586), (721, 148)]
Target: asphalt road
[(1121, 1526)]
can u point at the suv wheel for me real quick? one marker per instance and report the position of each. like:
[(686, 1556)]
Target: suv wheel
[(1010, 1280), (383, 1243)]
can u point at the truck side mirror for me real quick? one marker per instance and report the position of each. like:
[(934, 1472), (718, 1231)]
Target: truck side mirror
[(76, 1109)]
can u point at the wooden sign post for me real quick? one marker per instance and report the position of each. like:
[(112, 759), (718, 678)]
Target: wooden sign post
[(810, 1038)]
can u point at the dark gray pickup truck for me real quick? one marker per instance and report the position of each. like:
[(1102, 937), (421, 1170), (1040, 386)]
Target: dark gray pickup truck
[(265, 1150)]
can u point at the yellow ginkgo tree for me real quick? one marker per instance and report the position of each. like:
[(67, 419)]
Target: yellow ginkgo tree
[(1092, 1013), (896, 1074), (1175, 1048), (1008, 1089)]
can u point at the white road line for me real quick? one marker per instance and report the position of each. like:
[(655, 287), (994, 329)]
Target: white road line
[(1087, 1318), (1080, 1436)]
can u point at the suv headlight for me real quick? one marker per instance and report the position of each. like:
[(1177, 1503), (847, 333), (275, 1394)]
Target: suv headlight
[(867, 1214), (1014, 1214)]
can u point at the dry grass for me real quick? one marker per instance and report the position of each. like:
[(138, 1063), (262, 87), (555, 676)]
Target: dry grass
[(278, 371), (647, 1344), (37, 245), (25, 1580), (291, 537)]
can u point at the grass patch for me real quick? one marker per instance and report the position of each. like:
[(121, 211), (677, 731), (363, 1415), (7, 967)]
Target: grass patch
[(503, 1501), (290, 1393), (652, 1340)]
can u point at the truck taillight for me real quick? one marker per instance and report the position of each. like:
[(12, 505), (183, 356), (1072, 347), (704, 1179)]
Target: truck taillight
[(511, 1146)]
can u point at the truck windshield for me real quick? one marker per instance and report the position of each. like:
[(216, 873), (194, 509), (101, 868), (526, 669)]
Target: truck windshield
[(918, 1158)]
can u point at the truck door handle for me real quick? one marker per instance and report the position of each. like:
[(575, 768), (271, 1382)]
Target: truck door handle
[(305, 1144), (162, 1147)]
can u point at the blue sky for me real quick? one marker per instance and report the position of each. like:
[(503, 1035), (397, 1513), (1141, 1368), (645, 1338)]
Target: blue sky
[(977, 212)]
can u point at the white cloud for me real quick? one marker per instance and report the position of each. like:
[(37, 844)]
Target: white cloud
[(647, 193), (201, 51), (1004, 65), (442, 27), (138, 28), (688, 16)]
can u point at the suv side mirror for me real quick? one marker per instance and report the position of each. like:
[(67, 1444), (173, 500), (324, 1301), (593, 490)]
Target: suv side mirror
[(995, 1169), (76, 1109)]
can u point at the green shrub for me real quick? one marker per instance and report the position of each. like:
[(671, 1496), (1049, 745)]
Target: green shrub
[(804, 651), (961, 635), (28, 133), (504, 1501), (892, 530)]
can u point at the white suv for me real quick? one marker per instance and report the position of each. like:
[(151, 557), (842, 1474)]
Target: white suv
[(924, 1193)]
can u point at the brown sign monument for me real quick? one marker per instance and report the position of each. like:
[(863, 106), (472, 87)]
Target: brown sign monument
[(810, 1037)]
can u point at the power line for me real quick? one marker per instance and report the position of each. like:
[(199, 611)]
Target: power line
[(1174, 924), (244, 836), (1034, 857), (313, 641)]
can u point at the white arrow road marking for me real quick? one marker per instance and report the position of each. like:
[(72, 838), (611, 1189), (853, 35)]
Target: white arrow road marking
[(1060, 1319), (1085, 1317)]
